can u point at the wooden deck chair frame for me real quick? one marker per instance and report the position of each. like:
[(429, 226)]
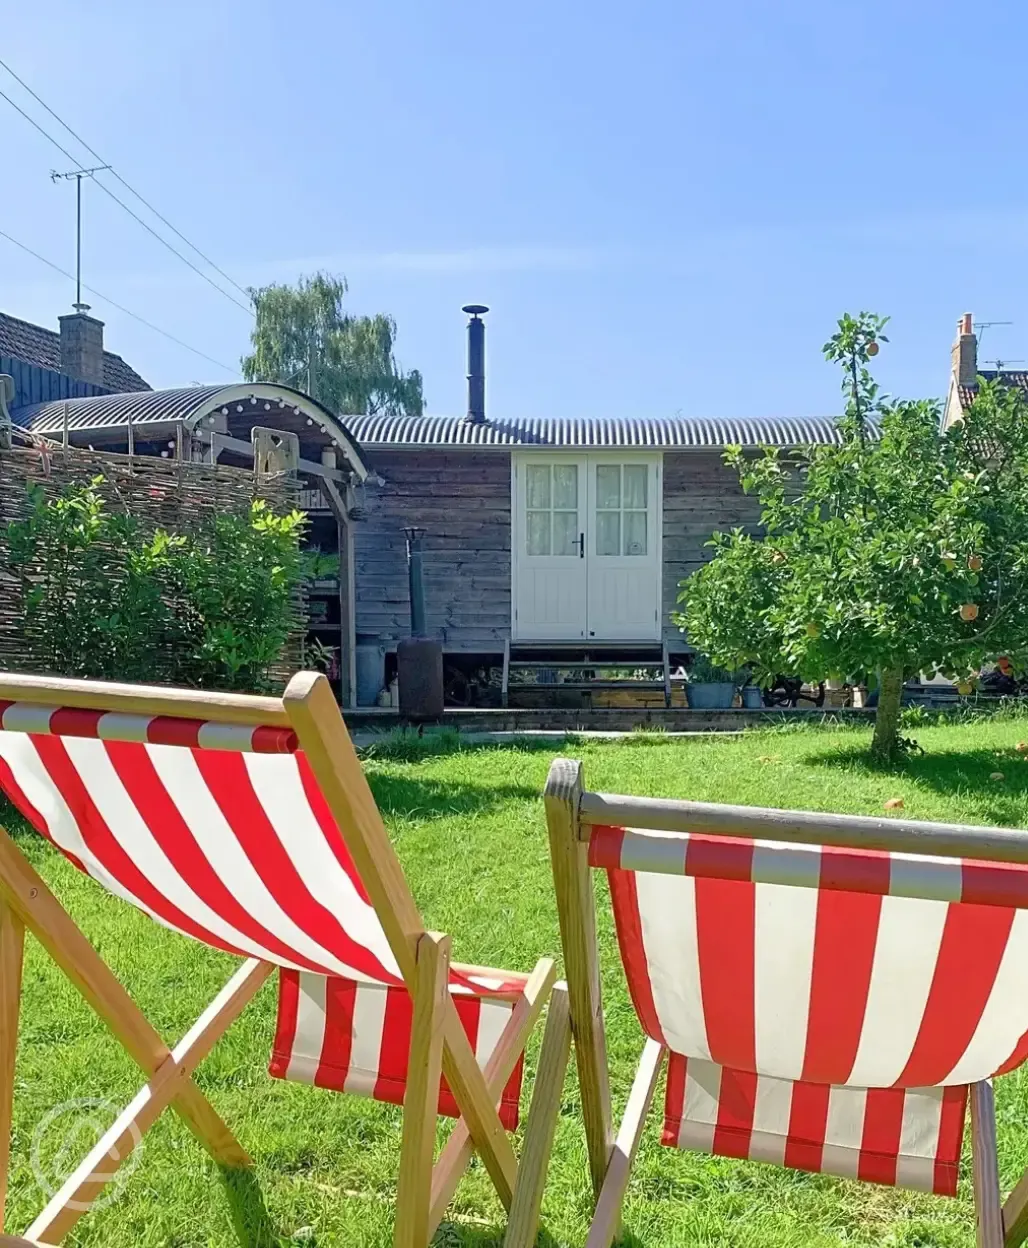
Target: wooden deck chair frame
[(571, 813), (438, 1046)]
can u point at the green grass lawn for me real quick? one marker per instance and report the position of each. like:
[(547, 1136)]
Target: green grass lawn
[(468, 826)]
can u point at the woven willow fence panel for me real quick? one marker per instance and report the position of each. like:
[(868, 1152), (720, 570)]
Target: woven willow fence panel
[(159, 493)]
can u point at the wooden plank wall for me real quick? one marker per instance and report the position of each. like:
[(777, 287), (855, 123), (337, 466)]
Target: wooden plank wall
[(701, 496), (462, 500)]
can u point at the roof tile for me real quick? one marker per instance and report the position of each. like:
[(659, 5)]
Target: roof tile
[(1009, 376), (36, 345)]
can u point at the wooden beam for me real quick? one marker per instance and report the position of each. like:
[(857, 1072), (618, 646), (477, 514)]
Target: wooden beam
[(98, 695), (314, 714), (98, 1168), (456, 1154), (1015, 1214), (225, 442), (12, 948), (25, 891), (477, 1107), (985, 1167), (421, 1097), (806, 827), (576, 911), (608, 1207), (542, 1123), (319, 726)]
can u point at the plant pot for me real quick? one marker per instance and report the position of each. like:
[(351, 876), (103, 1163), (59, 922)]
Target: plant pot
[(752, 698), (706, 695)]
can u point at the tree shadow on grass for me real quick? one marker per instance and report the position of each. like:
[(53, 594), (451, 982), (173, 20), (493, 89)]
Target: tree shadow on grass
[(460, 1235), (411, 746), (13, 821), (419, 797), (951, 773), (249, 1215)]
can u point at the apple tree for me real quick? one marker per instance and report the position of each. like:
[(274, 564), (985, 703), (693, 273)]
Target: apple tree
[(903, 549)]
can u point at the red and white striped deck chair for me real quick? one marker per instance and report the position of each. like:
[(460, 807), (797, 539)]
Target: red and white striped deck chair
[(247, 824), (831, 991)]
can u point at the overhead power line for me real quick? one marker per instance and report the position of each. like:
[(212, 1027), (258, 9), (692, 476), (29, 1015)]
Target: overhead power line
[(120, 202), (114, 173), (121, 308)]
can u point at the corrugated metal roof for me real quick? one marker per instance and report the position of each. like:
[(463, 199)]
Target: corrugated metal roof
[(108, 415), (686, 432), (103, 411)]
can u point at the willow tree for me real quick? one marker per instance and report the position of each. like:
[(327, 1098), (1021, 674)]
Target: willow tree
[(901, 550), (304, 337)]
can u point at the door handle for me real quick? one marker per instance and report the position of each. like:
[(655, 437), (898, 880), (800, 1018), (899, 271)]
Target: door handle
[(581, 545)]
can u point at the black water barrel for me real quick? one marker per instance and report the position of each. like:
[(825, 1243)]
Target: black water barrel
[(419, 669)]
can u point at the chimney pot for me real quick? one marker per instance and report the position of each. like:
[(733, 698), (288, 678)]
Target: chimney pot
[(965, 352), (82, 347)]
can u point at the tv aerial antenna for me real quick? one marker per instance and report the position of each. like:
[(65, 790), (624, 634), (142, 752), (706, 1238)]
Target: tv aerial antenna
[(78, 175), (980, 328)]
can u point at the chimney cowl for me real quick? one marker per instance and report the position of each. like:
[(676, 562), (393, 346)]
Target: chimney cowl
[(476, 363)]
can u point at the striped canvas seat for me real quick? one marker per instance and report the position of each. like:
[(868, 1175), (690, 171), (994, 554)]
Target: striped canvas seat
[(817, 1001), (240, 822), (827, 1007), (222, 834)]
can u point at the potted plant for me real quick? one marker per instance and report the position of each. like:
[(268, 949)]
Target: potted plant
[(707, 686), (752, 696)]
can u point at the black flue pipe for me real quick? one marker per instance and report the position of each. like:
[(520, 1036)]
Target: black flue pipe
[(419, 660), (416, 580), (476, 362)]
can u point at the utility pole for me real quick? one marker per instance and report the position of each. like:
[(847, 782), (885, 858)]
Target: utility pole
[(78, 175)]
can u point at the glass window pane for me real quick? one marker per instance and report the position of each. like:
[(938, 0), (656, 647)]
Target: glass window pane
[(636, 477), (608, 533), (635, 532), (565, 532), (538, 485), (565, 485), (608, 486), (538, 532)]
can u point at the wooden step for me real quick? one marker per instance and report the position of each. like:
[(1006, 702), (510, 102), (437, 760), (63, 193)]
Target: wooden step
[(586, 684), (581, 667)]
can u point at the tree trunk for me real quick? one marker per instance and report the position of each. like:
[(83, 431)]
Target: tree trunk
[(890, 696)]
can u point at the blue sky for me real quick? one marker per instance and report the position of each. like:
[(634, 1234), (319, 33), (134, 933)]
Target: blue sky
[(666, 204)]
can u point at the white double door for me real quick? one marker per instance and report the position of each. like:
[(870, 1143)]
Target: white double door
[(586, 547)]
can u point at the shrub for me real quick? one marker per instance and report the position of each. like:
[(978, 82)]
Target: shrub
[(100, 597)]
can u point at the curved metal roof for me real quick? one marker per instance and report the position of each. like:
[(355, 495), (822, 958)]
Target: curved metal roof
[(190, 405), (103, 411), (660, 433)]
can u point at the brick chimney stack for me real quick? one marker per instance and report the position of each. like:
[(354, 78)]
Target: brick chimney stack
[(965, 352), (82, 347)]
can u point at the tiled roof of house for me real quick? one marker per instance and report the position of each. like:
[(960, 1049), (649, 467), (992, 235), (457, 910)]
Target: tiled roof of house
[(1009, 376), (36, 345)]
